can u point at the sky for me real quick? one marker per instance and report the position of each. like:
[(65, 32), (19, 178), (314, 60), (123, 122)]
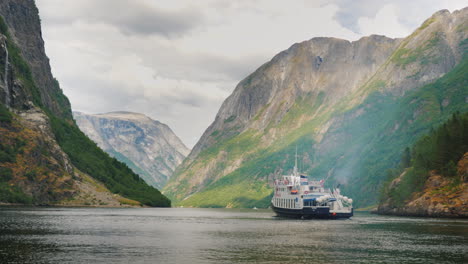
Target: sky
[(177, 61)]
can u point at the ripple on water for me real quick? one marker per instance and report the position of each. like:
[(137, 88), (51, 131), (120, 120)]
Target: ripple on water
[(83, 235)]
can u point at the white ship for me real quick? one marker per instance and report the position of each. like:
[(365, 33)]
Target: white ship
[(295, 196)]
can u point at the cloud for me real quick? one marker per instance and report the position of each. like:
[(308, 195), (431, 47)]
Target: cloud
[(407, 15), (176, 61), (134, 17), (385, 21)]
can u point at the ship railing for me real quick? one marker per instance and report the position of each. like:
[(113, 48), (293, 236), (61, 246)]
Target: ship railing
[(286, 183)]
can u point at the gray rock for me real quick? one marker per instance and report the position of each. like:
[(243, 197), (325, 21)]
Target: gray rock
[(335, 74), (147, 146), (25, 28)]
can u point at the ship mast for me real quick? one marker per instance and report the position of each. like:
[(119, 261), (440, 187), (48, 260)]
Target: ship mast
[(295, 172)]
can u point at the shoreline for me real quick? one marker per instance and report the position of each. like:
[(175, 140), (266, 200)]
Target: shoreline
[(403, 214), (6, 205)]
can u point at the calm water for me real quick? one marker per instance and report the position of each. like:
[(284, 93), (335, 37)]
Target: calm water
[(60, 235)]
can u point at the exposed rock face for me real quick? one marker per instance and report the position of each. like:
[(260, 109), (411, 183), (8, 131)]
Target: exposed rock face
[(12, 92), (327, 67), (147, 146), (35, 118), (314, 90), (338, 68), (22, 18), (441, 197)]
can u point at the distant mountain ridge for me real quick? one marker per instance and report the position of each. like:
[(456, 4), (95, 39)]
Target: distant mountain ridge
[(149, 147), (350, 107)]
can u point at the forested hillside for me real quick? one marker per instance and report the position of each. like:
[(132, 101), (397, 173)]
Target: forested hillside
[(435, 169)]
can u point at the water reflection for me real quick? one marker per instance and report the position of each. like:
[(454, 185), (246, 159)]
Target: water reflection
[(31, 235)]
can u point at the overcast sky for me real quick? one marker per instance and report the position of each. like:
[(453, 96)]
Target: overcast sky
[(177, 60)]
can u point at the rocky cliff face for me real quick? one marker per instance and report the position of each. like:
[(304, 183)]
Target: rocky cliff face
[(22, 19), (44, 158), (337, 101), (325, 69), (147, 146)]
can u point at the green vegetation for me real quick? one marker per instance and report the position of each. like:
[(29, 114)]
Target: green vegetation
[(122, 158), (13, 194), (8, 152), (243, 194), (8, 193), (438, 151), (22, 70), (442, 148), (386, 126), (404, 56), (426, 23), (5, 115), (5, 174), (116, 176), (247, 186), (367, 142)]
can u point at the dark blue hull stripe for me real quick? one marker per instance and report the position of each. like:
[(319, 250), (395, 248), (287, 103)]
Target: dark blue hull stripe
[(309, 213)]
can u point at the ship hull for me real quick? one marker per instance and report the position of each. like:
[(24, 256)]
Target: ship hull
[(309, 213)]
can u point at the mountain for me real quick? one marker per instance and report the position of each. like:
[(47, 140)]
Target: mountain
[(148, 147), (349, 107), (44, 157), (432, 178)]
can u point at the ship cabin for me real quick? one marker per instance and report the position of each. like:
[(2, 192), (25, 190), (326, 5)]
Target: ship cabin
[(296, 192)]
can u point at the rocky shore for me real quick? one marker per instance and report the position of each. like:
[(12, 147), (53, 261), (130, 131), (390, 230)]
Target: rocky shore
[(441, 196)]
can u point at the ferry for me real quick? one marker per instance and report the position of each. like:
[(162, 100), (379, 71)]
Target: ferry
[(297, 197)]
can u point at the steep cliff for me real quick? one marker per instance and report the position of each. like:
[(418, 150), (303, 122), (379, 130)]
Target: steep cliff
[(24, 28), (44, 157), (148, 147), (350, 107)]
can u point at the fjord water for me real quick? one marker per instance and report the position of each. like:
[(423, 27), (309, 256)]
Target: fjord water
[(95, 235)]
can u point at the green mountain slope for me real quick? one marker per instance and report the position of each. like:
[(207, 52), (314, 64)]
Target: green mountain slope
[(388, 125), (350, 107)]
